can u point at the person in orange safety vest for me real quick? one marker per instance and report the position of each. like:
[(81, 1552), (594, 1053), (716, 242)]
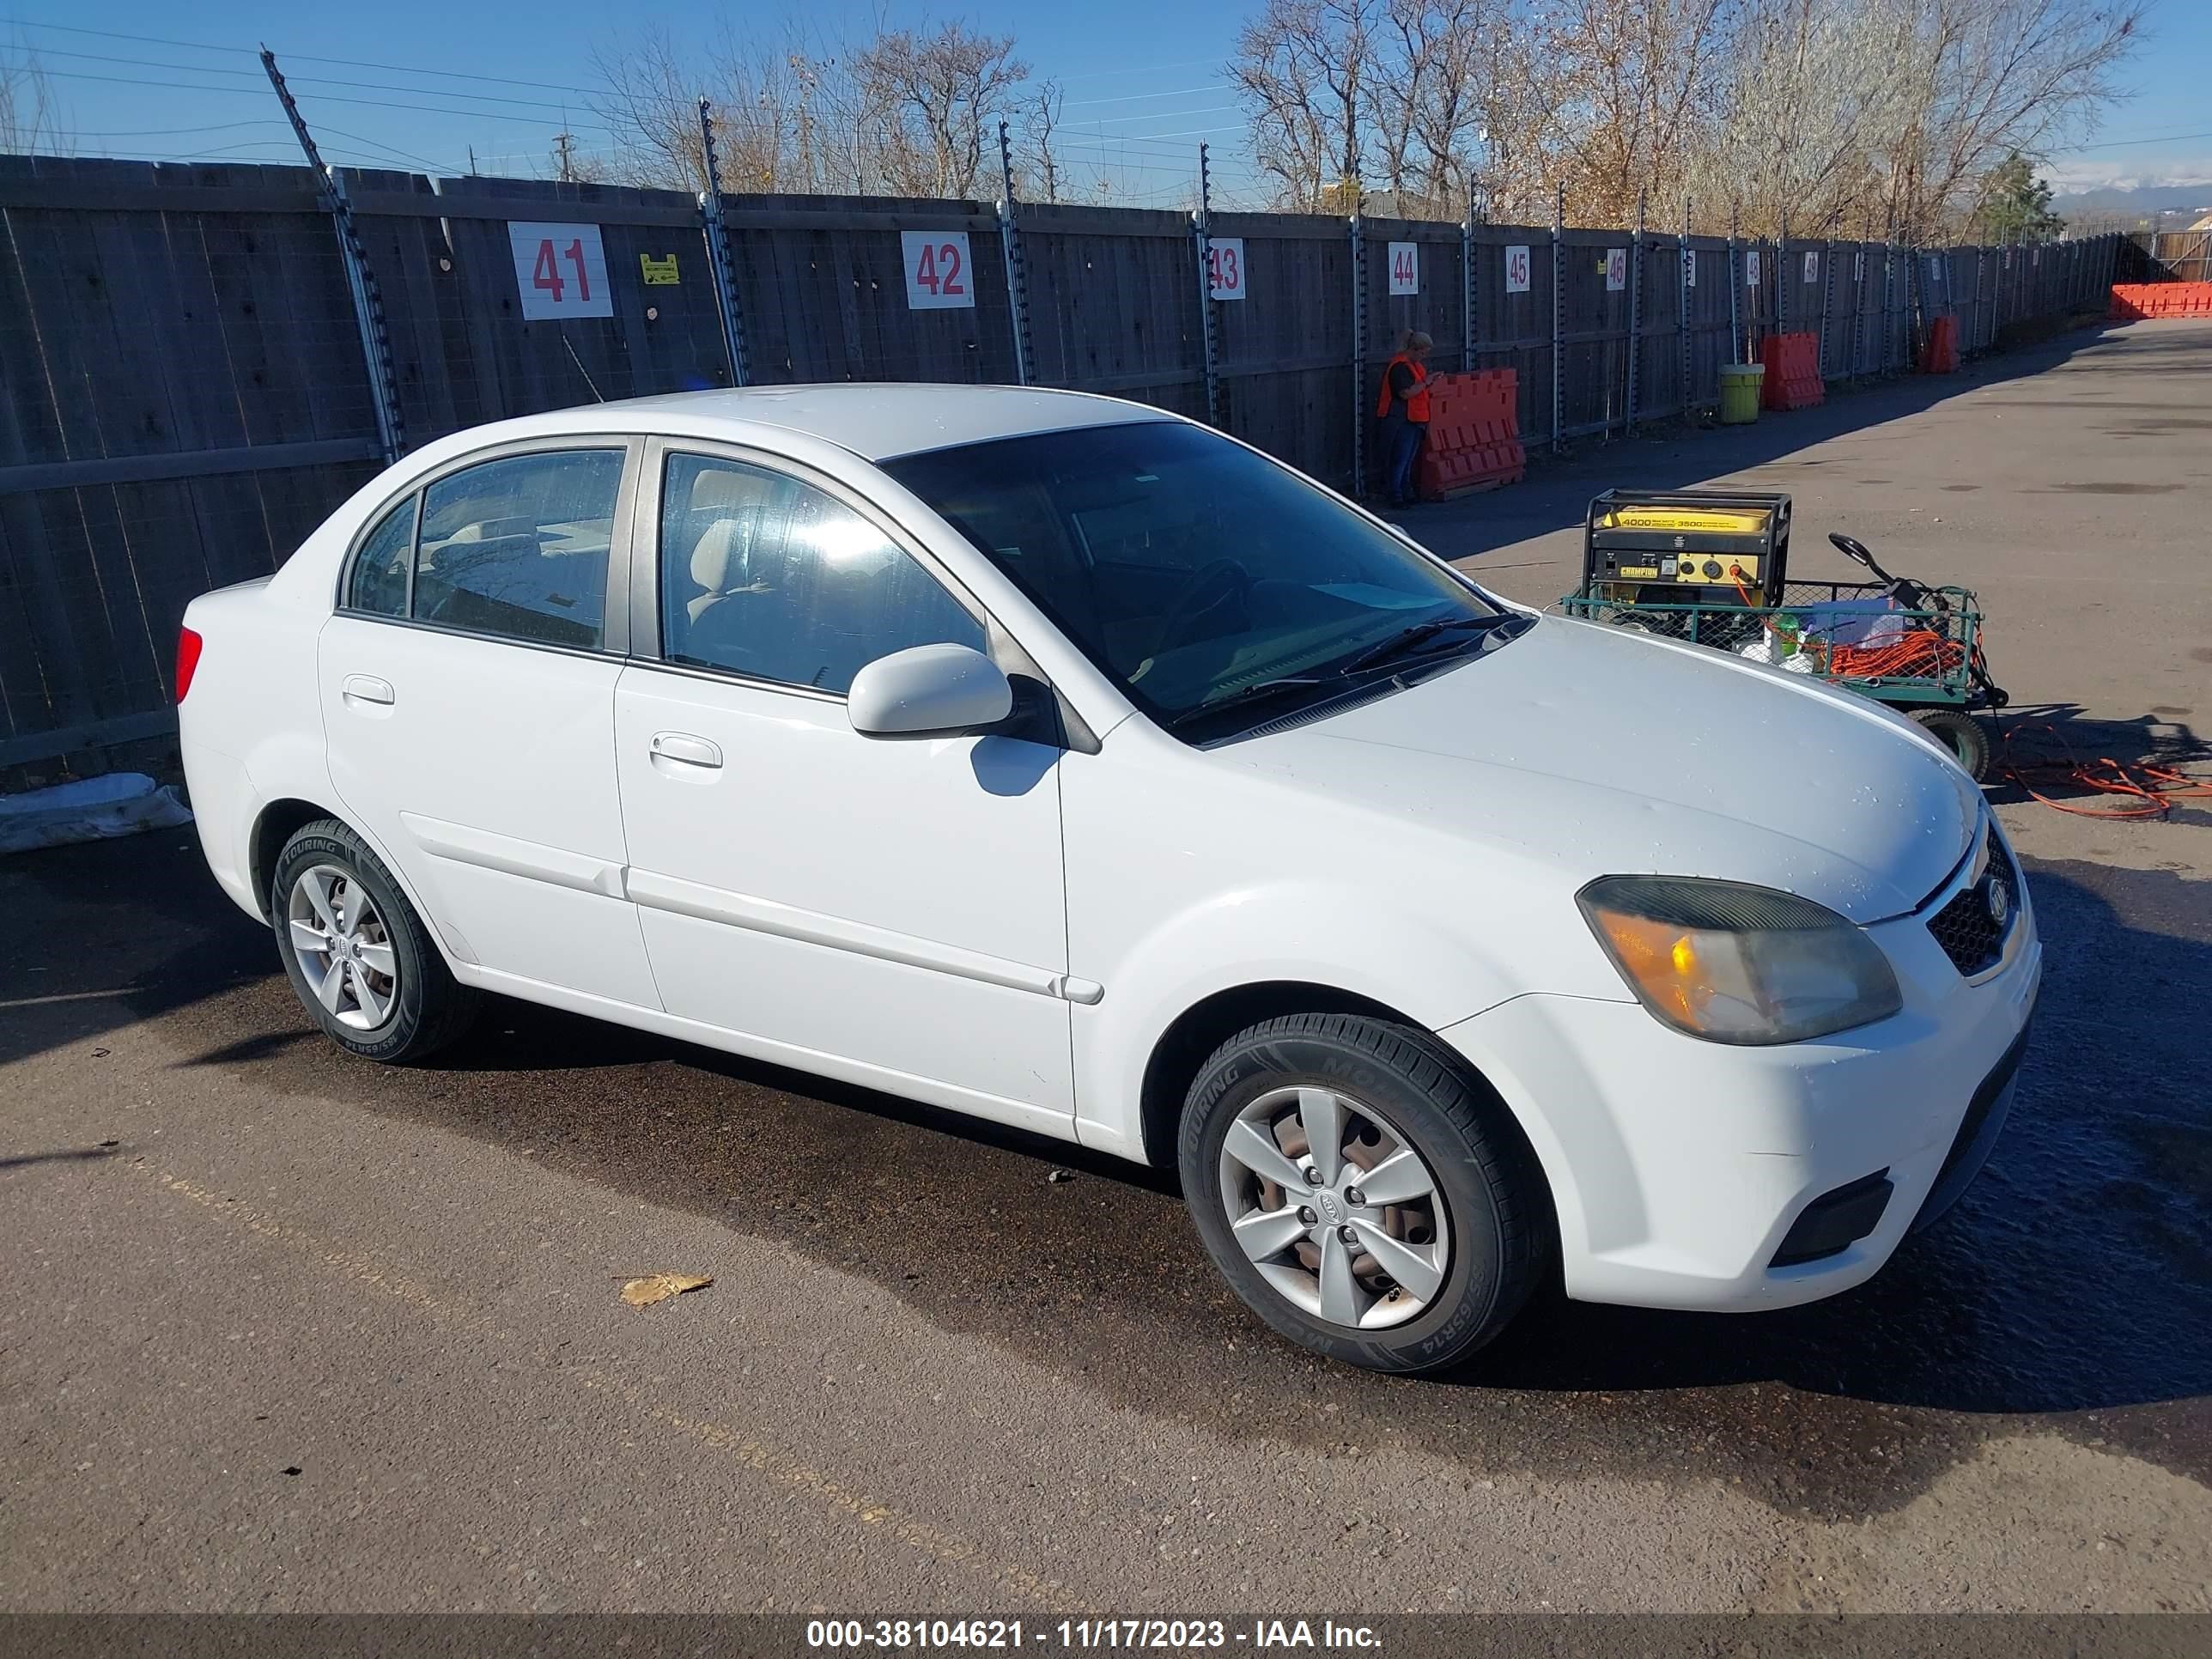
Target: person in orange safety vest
[(1403, 408)]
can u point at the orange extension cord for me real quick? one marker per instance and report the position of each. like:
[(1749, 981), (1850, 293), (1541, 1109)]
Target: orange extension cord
[(2148, 790)]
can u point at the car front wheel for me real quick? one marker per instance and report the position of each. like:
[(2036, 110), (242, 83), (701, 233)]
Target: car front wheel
[(359, 956), (1360, 1192)]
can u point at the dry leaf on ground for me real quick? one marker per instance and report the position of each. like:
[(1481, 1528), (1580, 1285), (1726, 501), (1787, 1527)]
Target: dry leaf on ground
[(644, 1293)]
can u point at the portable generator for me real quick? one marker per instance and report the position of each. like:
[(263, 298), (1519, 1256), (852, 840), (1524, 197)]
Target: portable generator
[(1675, 547)]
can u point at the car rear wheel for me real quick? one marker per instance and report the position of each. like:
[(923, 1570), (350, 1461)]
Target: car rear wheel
[(359, 956), (1360, 1192)]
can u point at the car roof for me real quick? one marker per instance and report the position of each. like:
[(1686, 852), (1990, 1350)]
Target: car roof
[(880, 420)]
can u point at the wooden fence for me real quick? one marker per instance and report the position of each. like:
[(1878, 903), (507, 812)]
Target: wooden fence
[(186, 390)]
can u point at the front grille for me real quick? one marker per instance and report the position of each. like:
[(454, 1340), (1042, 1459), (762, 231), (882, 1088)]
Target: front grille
[(1971, 928)]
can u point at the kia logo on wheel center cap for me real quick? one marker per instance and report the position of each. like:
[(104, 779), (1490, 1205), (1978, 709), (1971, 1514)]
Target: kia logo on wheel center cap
[(1329, 1206)]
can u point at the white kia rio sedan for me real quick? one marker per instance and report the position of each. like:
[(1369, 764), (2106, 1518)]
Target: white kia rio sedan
[(1055, 760)]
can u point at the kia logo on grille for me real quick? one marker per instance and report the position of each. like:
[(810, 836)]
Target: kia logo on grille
[(1998, 901)]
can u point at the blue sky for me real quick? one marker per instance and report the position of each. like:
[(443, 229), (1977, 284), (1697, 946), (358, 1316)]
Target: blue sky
[(1142, 79)]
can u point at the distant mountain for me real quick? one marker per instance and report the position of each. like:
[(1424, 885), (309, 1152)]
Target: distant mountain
[(2144, 200)]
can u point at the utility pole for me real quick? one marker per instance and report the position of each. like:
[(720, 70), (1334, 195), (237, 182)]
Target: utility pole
[(562, 160)]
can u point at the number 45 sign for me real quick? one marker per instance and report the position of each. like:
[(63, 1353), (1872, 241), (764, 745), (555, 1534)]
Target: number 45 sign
[(560, 272)]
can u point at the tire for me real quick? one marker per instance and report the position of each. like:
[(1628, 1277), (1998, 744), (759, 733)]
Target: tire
[(1486, 1238), (1967, 737), (396, 1001)]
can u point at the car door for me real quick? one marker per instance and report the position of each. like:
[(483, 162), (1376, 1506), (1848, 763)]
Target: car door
[(889, 910), (467, 684)]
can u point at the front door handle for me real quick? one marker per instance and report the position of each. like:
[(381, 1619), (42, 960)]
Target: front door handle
[(683, 747), (366, 688)]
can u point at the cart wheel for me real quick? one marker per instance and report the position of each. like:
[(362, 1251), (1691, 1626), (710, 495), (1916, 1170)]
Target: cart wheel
[(1967, 737), (1633, 624)]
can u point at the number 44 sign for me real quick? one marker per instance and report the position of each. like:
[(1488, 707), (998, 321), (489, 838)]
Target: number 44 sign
[(940, 276), (1404, 268), (561, 270)]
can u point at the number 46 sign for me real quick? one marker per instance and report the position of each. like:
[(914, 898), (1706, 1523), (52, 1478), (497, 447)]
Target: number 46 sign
[(561, 270)]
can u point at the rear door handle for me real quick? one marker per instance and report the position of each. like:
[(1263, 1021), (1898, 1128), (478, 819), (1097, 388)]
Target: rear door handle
[(689, 751), (366, 688)]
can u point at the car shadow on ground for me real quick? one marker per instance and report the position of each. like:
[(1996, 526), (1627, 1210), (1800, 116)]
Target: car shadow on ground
[(2072, 1288)]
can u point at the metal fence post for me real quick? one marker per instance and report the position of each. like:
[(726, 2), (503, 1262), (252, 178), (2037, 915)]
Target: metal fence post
[(1358, 353), (1735, 299), (360, 281), (1201, 225), (1782, 276), (1009, 245), (1682, 257), (1858, 300), (1466, 290), (1558, 317), (1828, 297), (718, 248), (1635, 317)]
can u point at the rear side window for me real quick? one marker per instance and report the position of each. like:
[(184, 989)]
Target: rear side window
[(769, 577), (517, 548), (380, 568)]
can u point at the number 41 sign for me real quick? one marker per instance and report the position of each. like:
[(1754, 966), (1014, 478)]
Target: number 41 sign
[(560, 272)]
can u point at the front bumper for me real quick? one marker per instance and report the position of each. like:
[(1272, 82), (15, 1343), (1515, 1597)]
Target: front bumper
[(1679, 1168)]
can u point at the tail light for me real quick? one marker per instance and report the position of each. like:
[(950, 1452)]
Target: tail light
[(188, 658)]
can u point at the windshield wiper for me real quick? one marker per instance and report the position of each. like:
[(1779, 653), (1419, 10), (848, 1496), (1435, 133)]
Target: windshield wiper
[(1265, 689), (1405, 639)]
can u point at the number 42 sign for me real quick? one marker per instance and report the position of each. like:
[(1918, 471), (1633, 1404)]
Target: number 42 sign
[(940, 276), (561, 270)]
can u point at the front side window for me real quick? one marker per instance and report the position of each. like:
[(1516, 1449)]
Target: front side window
[(765, 576), (517, 548), (1196, 574)]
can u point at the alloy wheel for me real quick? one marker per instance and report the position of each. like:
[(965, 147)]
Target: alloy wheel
[(344, 949), (1335, 1206)]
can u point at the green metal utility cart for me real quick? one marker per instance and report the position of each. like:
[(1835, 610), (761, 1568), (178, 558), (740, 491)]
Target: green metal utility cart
[(1708, 566)]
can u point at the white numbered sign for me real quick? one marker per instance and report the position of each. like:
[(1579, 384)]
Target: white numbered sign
[(1616, 270), (561, 270), (1517, 271), (1751, 268), (1812, 267), (940, 275), (1689, 267), (1404, 268), (1225, 267)]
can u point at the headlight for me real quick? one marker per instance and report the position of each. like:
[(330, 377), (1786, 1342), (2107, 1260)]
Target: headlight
[(1735, 964)]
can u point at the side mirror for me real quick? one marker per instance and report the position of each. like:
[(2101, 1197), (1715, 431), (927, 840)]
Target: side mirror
[(928, 691)]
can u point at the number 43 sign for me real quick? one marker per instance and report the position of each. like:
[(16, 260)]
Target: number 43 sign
[(560, 272)]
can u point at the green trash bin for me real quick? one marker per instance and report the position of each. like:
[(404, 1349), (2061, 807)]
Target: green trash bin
[(1740, 384)]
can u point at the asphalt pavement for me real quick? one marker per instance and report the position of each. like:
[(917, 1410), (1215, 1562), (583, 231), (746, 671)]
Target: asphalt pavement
[(286, 1330)]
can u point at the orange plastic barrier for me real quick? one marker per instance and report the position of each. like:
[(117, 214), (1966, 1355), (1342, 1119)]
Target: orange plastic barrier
[(1474, 435), (1793, 372), (1939, 352), (2133, 301)]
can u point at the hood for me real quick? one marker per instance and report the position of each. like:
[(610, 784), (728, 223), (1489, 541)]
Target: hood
[(1605, 752)]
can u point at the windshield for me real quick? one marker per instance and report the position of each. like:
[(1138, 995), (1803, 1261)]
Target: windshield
[(1190, 569)]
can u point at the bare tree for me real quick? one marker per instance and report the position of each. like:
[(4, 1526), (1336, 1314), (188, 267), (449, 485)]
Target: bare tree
[(29, 119), (1301, 67), (947, 89), (1040, 123)]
